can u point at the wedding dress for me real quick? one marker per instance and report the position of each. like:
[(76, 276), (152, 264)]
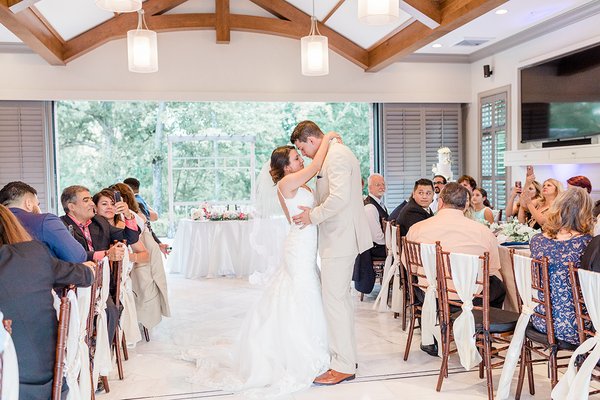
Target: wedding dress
[(282, 345)]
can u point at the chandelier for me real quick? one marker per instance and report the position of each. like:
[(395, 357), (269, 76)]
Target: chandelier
[(142, 47), (314, 50)]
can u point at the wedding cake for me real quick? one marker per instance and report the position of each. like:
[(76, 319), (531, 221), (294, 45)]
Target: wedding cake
[(444, 165)]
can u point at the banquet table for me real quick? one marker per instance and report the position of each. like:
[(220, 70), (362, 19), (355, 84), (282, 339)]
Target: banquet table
[(227, 248), (511, 300)]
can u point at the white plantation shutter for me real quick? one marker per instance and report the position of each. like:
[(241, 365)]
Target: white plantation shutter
[(23, 146), (412, 134), (493, 114)]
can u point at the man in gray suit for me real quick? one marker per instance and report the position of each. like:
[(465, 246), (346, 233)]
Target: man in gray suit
[(343, 234)]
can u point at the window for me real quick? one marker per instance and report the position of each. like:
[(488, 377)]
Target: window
[(494, 139), (412, 134)]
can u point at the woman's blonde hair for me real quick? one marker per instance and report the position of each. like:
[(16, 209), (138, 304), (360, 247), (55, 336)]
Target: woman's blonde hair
[(571, 210), (11, 230)]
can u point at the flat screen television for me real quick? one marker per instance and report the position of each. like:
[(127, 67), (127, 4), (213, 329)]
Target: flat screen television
[(560, 98)]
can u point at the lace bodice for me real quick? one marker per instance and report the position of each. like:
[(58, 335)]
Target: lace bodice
[(303, 197)]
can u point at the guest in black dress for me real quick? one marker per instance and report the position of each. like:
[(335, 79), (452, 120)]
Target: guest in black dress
[(27, 275)]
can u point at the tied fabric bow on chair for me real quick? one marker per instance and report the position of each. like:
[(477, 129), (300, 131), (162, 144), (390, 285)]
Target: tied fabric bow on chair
[(429, 329), (465, 268), (391, 265), (102, 359), (574, 385), (522, 266), (129, 318)]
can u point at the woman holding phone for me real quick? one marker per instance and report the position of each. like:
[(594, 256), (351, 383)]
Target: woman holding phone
[(538, 208), (513, 203)]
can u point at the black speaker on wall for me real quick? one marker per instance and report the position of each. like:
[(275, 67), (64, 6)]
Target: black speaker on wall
[(487, 71)]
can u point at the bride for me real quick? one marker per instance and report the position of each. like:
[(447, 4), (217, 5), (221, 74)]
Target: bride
[(282, 344)]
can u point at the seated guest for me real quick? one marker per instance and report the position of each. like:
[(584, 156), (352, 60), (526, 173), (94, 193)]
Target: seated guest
[(567, 232), (105, 207), (534, 190), (591, 257), (468, 182), (439, 181), (417, 208), (47, 228), (394, 214), (580, 181), (596, 214), (458, 234), (481, 206), (376, 211), (29, 272), (537, 209)]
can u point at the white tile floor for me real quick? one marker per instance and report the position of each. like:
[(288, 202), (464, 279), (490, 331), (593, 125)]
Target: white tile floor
[(205, 309)]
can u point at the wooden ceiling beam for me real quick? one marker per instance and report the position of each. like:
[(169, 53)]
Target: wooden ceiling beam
[(222, 21), (33, 33), (427, 12), (281, 9), (454, 13), (19, 5)]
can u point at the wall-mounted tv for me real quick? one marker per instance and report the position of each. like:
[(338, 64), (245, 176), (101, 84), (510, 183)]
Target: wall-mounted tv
[(560, 98)]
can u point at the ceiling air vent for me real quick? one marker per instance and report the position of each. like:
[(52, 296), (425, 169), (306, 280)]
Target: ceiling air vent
[(473, 42)]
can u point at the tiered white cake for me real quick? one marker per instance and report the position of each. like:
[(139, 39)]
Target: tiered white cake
[(444, 165)]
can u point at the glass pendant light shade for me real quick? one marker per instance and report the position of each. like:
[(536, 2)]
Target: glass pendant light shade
[(142, 48), (378, 12), (315, 52), (120, 6)]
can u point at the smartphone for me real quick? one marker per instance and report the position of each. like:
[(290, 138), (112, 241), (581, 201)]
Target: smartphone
[(118, 197), (518, 184), (529, 170)]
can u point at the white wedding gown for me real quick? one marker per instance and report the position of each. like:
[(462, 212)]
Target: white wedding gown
[(282, 345)]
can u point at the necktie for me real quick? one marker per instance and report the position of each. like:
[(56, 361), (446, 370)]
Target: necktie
[(86, 234)]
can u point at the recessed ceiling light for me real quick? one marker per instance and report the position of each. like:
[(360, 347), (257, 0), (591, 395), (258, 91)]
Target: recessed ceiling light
[(501, 11), (436, 45)]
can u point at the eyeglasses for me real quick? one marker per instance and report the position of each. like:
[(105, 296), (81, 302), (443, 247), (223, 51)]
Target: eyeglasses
[(438, 183)]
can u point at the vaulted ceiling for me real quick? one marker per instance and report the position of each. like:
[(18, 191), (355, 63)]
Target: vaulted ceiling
[(63, 30)]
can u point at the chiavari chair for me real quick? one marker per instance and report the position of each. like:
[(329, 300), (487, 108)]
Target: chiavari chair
[(61, 344), (492, 325), (91, 332), (119, 344)]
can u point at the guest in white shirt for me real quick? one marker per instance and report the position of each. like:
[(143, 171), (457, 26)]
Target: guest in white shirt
[(376, 211), (439, 181)]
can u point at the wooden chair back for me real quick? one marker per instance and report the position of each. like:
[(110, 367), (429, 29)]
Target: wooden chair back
[(582, 318), (414, 267), (64, 315), (540, 283), (447, 294)]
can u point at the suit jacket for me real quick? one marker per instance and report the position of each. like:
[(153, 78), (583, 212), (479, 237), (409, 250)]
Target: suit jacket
[(103, 234), (27, 274), (591, 257), (396, 212), (340, 215), (410, 215), (50, 230)]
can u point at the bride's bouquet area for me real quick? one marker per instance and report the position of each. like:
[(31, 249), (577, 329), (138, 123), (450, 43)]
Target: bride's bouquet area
[(513, 231), (206, 212)]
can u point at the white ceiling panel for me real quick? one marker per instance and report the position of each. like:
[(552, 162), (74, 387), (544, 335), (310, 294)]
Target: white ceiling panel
[(72, 17), (521, 15), (322, 7), (243, 7), (345, 22), (7, 36)]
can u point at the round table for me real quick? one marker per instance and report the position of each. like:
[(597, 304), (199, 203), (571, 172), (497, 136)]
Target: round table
[(227, 248)]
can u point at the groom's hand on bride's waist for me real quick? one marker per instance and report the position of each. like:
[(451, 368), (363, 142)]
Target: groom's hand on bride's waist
[(303, 219)]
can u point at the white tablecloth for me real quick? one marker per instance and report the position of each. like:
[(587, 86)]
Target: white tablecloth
[(219, 248)]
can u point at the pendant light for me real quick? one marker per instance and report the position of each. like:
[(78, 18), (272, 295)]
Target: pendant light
[(314, 50), (120, 6), (142, 47), (378, 12)]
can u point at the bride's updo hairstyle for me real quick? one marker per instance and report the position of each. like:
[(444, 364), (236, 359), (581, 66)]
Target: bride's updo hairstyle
[(280, 158)]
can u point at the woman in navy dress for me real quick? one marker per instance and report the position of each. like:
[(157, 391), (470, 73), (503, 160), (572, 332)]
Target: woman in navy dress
[(565, 237)]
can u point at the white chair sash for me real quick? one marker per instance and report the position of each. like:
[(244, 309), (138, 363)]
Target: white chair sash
[(396, 289), (81, 390), (102, 358), (429, 329), (389, 269), (575, 385), (129, 319), (523, 279), (10, 366), (465, 268), (71, 363)]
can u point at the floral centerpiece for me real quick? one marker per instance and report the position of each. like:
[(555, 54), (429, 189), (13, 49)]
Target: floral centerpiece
[(208, 213), (513, 231)]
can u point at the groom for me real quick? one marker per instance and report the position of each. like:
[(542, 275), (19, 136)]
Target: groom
[(343, 234)]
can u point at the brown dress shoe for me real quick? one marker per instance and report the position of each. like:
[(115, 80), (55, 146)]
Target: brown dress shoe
[(332, 377)]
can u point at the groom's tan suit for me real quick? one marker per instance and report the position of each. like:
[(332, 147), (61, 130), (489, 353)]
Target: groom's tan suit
[(343, 234)]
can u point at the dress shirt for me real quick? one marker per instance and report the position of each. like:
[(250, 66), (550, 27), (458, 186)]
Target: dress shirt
[(50, 230), (434, 204), (374, 221), (457, 234)]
